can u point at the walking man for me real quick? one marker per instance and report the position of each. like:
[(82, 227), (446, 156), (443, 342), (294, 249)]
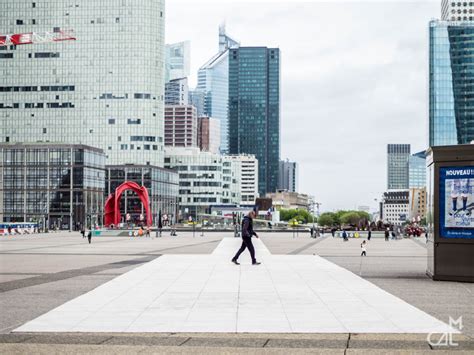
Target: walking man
[(247, 233), (89, 236)]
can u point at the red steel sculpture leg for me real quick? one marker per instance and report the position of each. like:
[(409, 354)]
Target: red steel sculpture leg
[(112, 204)]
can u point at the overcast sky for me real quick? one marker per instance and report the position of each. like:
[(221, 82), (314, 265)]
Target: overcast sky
[(354, 78)]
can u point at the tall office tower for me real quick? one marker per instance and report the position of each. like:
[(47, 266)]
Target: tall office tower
[(213, 80), (225, 41), (197, 98), (288, 176), (451, 83), (209, 134), (181, 126), (457, 10), (398, 166), (417, 170), (178, 60), (177, 92), (105, 89), (254, 110)]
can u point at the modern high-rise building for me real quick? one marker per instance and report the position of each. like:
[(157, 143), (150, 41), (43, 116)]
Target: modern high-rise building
[(178, 60), (254, 109), (105, 89), (209, 134), (288, 176), (177, 92), (398, 156), (457, 10), (417, 170), (213, 81), (451, 83), (181, 126), (197, 99)]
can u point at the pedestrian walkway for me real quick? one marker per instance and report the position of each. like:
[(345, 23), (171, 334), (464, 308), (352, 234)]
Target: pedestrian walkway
[(207, 293)]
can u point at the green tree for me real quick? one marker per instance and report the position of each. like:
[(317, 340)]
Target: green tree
[(350, 217), (326, 219)]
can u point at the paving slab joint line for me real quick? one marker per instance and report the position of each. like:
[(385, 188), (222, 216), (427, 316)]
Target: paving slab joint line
[(106, 340), (347, 343), (266, 342), (184, 342)]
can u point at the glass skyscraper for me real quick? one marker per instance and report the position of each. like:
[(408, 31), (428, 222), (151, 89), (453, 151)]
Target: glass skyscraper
[(451, 83), (213, 82), (398, 166), (417, 170), (105, 89), (254, 110)]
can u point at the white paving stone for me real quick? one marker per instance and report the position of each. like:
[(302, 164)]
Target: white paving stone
[(207, 293)]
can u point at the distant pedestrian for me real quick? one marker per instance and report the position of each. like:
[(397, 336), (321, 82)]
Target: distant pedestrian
[(344, 236), (333, 232), (387, 234), (89, 236), (247, 233), (147, 232), (394, 236), (364, 248), (369, 234), (83, 232)]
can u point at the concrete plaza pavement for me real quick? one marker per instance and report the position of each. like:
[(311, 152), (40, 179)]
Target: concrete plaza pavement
[(39, 273)]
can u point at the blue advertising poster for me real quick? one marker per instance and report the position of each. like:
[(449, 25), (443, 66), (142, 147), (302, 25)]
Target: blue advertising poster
[(456, 202)]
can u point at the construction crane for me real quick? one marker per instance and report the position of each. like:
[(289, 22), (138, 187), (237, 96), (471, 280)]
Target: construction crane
[(36, 38)]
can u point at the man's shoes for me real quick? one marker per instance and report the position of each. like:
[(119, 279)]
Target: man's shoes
[(256, 263), (235, 262)]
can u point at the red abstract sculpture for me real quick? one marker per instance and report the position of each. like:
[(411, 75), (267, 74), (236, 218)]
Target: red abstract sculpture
[(112, 204)]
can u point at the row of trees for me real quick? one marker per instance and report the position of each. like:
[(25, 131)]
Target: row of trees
[(302, 216), (336, 219)]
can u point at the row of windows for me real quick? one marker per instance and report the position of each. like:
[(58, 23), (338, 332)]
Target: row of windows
[(129, 121), (132, 147), (39, 105), (106, 96), (37, 88)]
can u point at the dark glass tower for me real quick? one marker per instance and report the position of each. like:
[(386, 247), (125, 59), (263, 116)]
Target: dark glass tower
[(254, 110), (451, 110)]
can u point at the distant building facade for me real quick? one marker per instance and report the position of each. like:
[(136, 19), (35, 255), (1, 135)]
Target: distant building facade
[(181, 126), (396, 207), (55, 185), (177, 92), (254, 109), (417, 206), (398, 166), (452, 10), (205, 179), (209, 134), (248, 166), (417, 170), (178, 60), (288, 176), (451, 80), (213, 81), (197, 99), (289, 200)]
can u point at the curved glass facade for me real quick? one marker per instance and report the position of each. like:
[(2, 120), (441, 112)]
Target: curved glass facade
[(451, 83)]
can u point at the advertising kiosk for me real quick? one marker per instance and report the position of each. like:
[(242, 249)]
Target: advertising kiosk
[(450, 212)]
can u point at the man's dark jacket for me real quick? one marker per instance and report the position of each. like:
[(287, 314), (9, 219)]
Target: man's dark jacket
[(247, 227)]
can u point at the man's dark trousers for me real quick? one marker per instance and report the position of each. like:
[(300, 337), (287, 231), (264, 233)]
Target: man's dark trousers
[(246, 243)]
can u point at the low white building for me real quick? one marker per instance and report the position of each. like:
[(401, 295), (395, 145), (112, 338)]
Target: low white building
[(248, 166), (396, 207), (205, 179)]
